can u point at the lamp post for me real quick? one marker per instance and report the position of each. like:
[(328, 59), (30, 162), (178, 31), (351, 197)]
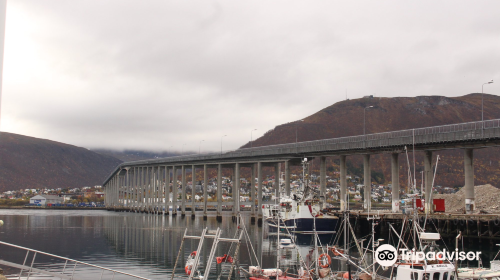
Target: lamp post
[(364, 119), (482, 99), (221, 143), (296, 133), (199, 147), (251, 142)]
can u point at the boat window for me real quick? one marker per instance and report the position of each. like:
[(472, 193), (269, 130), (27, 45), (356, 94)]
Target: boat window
[(414, 276), (427, 276), (436, 276), (445, 276), (452, 276)]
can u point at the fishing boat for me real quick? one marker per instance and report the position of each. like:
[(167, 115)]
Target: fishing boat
[(493, 273), (301, 212)]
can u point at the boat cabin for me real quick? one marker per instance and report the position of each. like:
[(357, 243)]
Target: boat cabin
[(424, 272)]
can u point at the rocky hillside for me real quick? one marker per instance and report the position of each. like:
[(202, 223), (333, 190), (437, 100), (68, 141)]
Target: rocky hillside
[(345, 118), (27, 162)]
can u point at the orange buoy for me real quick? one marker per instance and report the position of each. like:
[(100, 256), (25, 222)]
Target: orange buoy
[(324, 260)]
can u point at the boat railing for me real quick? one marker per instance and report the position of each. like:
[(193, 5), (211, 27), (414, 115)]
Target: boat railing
[(69, 266)]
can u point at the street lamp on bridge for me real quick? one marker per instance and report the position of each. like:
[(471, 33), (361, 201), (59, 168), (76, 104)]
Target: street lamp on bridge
[(251, 142), (364, 119), (296, 128), (482, 99), (199, 147), (221, 143)]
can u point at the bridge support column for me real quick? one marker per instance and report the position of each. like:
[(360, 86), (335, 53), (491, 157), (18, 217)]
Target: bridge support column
[(470, 204), (205, 190), (148, 188), (429, 206), (193, 190), (277, 171), (174, 191), (252, 193), (219, 192), (159, 191), (287, 178), (322, 180), (259, 192), (167, 190), (183, 192), (127, 189), (236, 190), (344, 198), (395, 182), (368, 183)]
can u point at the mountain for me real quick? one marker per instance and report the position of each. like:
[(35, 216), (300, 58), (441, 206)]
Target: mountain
[(134, 155), (345, 118), (28, 162)]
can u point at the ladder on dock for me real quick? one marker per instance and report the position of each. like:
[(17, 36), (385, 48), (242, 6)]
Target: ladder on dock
[(68, 270), (206, 234)]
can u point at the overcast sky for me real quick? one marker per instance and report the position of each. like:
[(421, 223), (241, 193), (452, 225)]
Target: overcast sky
[(162, 75)]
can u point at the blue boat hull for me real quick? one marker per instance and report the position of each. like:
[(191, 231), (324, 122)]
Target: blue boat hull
[(306, 225)]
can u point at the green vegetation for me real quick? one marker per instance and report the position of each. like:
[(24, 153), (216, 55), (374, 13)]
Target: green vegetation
[(14, 202)]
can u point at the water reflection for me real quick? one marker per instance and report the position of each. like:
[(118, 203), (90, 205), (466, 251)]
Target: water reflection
[(147, 245)]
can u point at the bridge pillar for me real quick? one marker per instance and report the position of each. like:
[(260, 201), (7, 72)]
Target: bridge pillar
[(146, 186), (395, 182), (236, 190), (167, 190), (252, 193), (144, 189), (205, 190), (287, 178), (183, 191), (277, 171), (322, 180), (368, 182), (174, 191), (429, 206), (470, 204), (259, 191), (344, 198), (159, 190), (193, 190), (219, 191), (164, 192)]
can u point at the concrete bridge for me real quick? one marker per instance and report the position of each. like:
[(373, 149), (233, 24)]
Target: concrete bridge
[(140, 185)]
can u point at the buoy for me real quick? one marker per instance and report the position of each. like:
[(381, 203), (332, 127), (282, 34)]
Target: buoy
[(324, 260)]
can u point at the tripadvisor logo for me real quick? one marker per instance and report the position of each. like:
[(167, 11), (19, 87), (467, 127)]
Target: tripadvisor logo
[(386, 255)]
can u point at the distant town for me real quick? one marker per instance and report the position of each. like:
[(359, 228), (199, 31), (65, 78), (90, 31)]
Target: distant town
[(94, 196)]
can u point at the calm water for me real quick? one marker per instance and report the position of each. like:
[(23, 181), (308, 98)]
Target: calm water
[(146, 245), (140, 244)]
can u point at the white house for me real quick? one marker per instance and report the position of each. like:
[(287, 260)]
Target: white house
[(46, 199)]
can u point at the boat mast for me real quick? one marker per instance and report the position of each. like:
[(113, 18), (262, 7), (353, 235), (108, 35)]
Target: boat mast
[(279, 251)]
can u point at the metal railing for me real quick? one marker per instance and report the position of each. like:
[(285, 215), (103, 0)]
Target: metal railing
[(68, 270), (437, 134)]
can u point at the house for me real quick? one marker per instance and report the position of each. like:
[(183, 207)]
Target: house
[(46, 199)]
